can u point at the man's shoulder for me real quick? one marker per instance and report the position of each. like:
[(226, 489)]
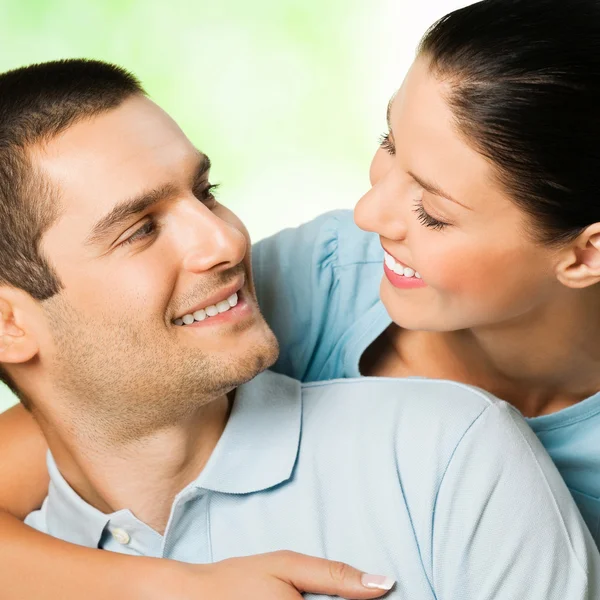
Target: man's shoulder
[(411, 414), (408, 395)]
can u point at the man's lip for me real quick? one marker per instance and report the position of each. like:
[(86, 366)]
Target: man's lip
[(231, 289)]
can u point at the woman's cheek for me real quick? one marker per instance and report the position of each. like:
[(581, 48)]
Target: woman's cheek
[(482, 281), (453, 271)]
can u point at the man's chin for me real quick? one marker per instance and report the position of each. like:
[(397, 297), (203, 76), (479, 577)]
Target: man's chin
[(258, 343), (270, 356), (239, 365), (259, 360)]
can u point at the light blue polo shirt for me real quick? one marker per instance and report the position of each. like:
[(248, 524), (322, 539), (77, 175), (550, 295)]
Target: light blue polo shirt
[(434, 483), (318, 287)]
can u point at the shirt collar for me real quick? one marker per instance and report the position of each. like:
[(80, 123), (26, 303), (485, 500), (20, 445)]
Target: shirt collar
[(68, 516), (257, 451), (259, 446)]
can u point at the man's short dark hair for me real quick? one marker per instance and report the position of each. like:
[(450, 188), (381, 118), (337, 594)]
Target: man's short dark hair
[(37, 103)]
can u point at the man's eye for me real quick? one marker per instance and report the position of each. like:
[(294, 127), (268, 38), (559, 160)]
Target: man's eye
[(385, 141), (207, 194), (146, 230)]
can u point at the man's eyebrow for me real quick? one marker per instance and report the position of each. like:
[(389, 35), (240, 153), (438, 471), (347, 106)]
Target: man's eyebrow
[(140, 203), (389, 112), (432, 188)]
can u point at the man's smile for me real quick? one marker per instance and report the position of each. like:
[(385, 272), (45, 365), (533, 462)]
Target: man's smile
[(228, 304)]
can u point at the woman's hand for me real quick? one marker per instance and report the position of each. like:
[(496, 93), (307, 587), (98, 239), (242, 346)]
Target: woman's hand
[(275, 576)]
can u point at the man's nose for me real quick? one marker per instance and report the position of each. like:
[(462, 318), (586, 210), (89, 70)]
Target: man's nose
[(211, 243)]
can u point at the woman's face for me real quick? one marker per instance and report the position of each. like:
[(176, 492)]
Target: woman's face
[(439, 211)]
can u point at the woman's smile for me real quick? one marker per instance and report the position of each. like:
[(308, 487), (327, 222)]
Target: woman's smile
[(401, 276)]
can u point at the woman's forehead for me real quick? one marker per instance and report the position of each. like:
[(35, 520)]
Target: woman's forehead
[(429, 143)]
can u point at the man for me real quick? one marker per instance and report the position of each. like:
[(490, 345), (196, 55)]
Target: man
[(131, 331)]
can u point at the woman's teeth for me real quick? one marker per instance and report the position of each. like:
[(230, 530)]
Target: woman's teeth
[(393, 265), (209, 311)]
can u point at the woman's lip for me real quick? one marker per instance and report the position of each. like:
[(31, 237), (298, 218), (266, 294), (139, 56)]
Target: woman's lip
[(402, 282)]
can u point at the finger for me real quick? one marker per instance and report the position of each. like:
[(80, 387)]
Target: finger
[(321, 576)]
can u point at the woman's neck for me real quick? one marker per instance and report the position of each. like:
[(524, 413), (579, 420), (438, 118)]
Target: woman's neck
[(540, 363)]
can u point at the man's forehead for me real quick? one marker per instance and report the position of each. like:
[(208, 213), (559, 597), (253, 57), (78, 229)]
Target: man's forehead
[(114, 155)]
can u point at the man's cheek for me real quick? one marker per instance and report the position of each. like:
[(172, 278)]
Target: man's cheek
[(378, 167)]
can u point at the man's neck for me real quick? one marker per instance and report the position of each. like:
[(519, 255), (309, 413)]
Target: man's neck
[(142, 475)]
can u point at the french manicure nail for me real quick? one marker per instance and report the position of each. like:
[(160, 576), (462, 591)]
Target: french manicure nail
[(378, 582)]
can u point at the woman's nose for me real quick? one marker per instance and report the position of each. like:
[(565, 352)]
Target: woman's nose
[(382, 209)]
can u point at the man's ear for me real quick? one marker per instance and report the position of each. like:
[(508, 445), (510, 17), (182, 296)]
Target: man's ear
[(18, 343)]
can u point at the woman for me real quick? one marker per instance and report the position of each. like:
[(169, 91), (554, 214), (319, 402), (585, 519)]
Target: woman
[(483, 199)]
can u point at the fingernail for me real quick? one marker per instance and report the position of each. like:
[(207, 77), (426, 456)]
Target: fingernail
[(378, 582)]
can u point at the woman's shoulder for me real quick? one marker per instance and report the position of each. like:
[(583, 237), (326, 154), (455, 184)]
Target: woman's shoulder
[(354, 245), (570, 436), (313, 282), (331, 239)]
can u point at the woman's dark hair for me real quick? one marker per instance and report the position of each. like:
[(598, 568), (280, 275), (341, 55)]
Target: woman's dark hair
[(524, 87)]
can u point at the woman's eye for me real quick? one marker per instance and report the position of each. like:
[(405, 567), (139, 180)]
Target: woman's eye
[(426, 219), (385, 141), (146, 230)]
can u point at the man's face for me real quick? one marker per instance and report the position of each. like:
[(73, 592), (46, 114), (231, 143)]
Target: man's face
[(141, 243)]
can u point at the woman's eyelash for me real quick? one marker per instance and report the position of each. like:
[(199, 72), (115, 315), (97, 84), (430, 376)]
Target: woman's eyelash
[(426, 219), (386, 143)]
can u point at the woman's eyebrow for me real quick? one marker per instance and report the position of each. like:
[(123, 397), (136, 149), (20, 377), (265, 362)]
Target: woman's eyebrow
[(434, 189), (429, 186)]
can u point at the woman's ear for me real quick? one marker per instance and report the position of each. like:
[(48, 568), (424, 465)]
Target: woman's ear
[(18, 343), (579, 264)]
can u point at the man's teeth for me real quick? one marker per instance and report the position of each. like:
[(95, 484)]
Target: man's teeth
[(393, 265), (209, 311)]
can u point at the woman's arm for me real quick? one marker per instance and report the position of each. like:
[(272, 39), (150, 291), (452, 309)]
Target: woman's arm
[(35, 565), (23, 473)]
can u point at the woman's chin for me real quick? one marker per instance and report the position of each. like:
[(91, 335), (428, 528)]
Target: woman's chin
[(418, 316), (405, 309)]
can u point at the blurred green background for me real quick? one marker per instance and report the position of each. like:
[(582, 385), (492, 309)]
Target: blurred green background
[(287, 97)]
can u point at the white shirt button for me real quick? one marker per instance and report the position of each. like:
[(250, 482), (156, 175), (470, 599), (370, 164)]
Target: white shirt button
[(121, 536)]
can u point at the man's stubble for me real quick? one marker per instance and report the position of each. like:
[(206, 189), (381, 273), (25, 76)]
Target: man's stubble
[(119, 380)]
